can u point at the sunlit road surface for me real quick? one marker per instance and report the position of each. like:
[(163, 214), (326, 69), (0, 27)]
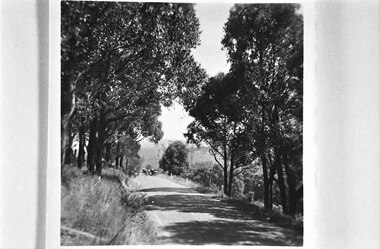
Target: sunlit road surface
[(184, 216)]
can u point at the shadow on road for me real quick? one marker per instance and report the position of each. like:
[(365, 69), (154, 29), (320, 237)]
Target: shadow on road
[(177, 190), (228, 232), (194, 204), (231, 227)]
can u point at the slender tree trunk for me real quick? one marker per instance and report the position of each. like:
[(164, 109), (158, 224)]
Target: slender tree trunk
[(102, 122), (91, 146), (67, 111), (68, 150), (230, 180), (65, 141), (116, 161), (225, 174), (263, 157), (225, 181), (271, 178), (82, 137), (100, 144), (290, 177), (117, 157), (108, 152), (272, 172), (266, 182), (281, 182)]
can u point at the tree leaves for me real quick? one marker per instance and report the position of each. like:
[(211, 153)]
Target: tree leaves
[(125, 60), (174, 159)]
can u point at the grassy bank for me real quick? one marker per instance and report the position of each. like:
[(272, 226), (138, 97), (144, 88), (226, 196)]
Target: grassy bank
[(101, 211), (274, 216)]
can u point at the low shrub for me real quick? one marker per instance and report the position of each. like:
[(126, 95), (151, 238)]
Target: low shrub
[(279, 218), (237, 188), (297, 224), (207, 190), (134, 202), (68, 174)]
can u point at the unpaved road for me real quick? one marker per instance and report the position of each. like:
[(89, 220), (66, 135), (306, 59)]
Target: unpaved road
[(184, 216)]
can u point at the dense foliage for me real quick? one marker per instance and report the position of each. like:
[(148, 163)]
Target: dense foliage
[(120, 63), (174, 160), (254, 113)]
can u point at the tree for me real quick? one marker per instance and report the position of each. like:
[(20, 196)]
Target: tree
[(265, 47), (133, 164), (120, 63), (218, 124), (174, 159), (237, 189)]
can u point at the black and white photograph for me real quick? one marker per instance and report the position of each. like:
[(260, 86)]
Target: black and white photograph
[(189, 123), (181, 123)]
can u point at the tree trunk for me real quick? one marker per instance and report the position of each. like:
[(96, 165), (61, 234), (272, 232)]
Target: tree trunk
[(121, 161), (231, 176), (117, 154), (271, 178), (266, 182), (281, 182), (262, 143), (116, 161), (67, 111), (225, 174), (82, 138), (91, 146), (102, 123), (290, 177), (69, 151), (225, 181), (100, 144), (108, 152), (272, 172)]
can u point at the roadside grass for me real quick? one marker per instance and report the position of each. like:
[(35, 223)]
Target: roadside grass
[(274, 216), (102, 211), (208, 189)]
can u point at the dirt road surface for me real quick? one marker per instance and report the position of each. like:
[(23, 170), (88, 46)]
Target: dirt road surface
[(184, 216)]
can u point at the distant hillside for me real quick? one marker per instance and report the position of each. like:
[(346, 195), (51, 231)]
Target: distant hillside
[(152, 153)]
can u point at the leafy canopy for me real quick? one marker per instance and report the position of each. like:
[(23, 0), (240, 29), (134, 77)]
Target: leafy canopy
[(174, 159)]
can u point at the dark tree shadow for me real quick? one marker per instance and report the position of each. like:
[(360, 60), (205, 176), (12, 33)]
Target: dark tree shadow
[(195, 203), (229, 232), (176, 190), (232, 227)]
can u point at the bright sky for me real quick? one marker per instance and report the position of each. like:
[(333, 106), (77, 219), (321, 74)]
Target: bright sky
[(212, 17)]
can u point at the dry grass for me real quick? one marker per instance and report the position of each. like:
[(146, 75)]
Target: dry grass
[(103, 208)]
